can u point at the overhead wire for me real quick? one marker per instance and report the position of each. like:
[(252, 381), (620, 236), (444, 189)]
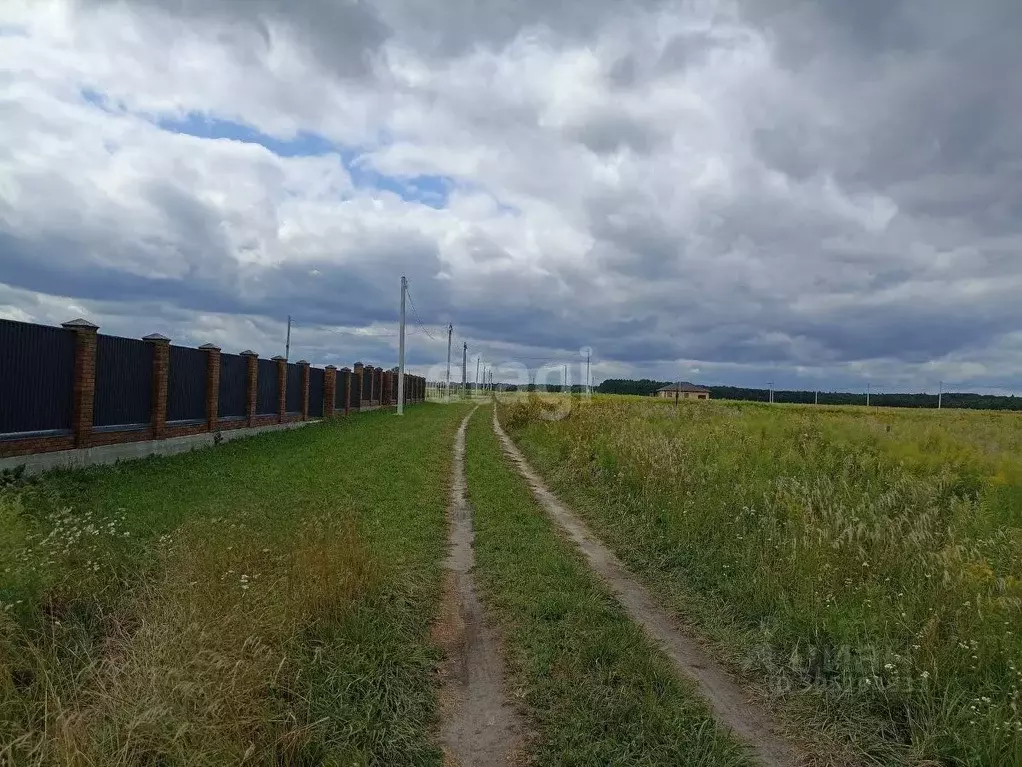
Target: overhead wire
[(416, 313)]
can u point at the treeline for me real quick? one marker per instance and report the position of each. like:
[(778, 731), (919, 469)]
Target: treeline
[(965, 400), (576, 389)]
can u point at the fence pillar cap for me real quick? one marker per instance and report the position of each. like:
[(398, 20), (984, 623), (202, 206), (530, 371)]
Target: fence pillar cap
[(302, 362), (331, 367), (210, 348), (345, 370), (156, 338), (79, 324), (249, 353), (279, 358)]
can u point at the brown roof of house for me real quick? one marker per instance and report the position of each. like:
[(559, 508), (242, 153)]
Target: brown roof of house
[(684, 386)]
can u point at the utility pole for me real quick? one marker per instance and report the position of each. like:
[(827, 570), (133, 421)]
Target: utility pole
[(771, 385), (816, 400), (589, 355), (940, 395), (564, 380), (476, 383), (867, 394), (447, 384), (401, 352), (287, 344), (464, 368)]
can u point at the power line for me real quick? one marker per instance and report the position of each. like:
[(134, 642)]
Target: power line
[(417, 318)]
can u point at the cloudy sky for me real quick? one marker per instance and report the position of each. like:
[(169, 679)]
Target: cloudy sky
[(818, 193)]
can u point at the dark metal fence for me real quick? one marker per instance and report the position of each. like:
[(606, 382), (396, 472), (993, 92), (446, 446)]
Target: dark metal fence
[(316, 392), (293, 393), (341, 390), (233, 402), (124, 382), (355, 399), (266, 389), (186, 386), (37, 378)]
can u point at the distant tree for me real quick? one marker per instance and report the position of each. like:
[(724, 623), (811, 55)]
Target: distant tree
[(643, 387), (962, 400)]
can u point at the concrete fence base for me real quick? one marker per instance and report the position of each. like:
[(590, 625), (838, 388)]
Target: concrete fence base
[(127, 451)]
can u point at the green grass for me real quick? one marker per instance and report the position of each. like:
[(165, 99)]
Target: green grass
[(265, 601), (597, 692), (864, 565)]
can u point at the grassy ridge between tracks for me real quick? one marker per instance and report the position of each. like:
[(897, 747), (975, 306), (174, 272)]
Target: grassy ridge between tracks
[(595, 689)]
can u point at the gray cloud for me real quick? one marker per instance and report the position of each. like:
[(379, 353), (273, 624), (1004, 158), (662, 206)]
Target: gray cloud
[(817, 190)]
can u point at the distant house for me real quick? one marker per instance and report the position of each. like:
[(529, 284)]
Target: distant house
[(682, 390)]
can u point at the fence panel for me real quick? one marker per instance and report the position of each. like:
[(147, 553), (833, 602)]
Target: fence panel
[(124, 382), (355, 401), (186, 386), (233, 401), (37, 384), (316, 393), (341, 391), (266, 394), (293, 393)]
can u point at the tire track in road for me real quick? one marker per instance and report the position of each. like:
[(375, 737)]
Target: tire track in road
[(724, 695), (480, 727)]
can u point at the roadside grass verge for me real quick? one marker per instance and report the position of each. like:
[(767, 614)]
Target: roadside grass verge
[(865, 567), (596, 690), (267, 601)]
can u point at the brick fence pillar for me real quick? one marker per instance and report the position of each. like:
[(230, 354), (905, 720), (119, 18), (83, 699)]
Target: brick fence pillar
[(161, 377), (304, 366), (355, 390), (281, 387), (329, 390), (84, 380), (252, 385), (212, 385), (346, 379)]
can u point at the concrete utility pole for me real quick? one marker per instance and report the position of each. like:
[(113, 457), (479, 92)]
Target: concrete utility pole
[(475, 384), (816, 400), (401, 352), (464, 368), (867, 395), (588, 387), (940, 395), (287, 344), (564, 380), (447, 384), (771, 385)]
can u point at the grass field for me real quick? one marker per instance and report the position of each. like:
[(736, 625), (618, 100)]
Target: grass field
[(596, 690), (264, 602), (864, 566)]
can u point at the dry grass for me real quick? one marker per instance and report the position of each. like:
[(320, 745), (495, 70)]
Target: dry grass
[(209, 667)]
